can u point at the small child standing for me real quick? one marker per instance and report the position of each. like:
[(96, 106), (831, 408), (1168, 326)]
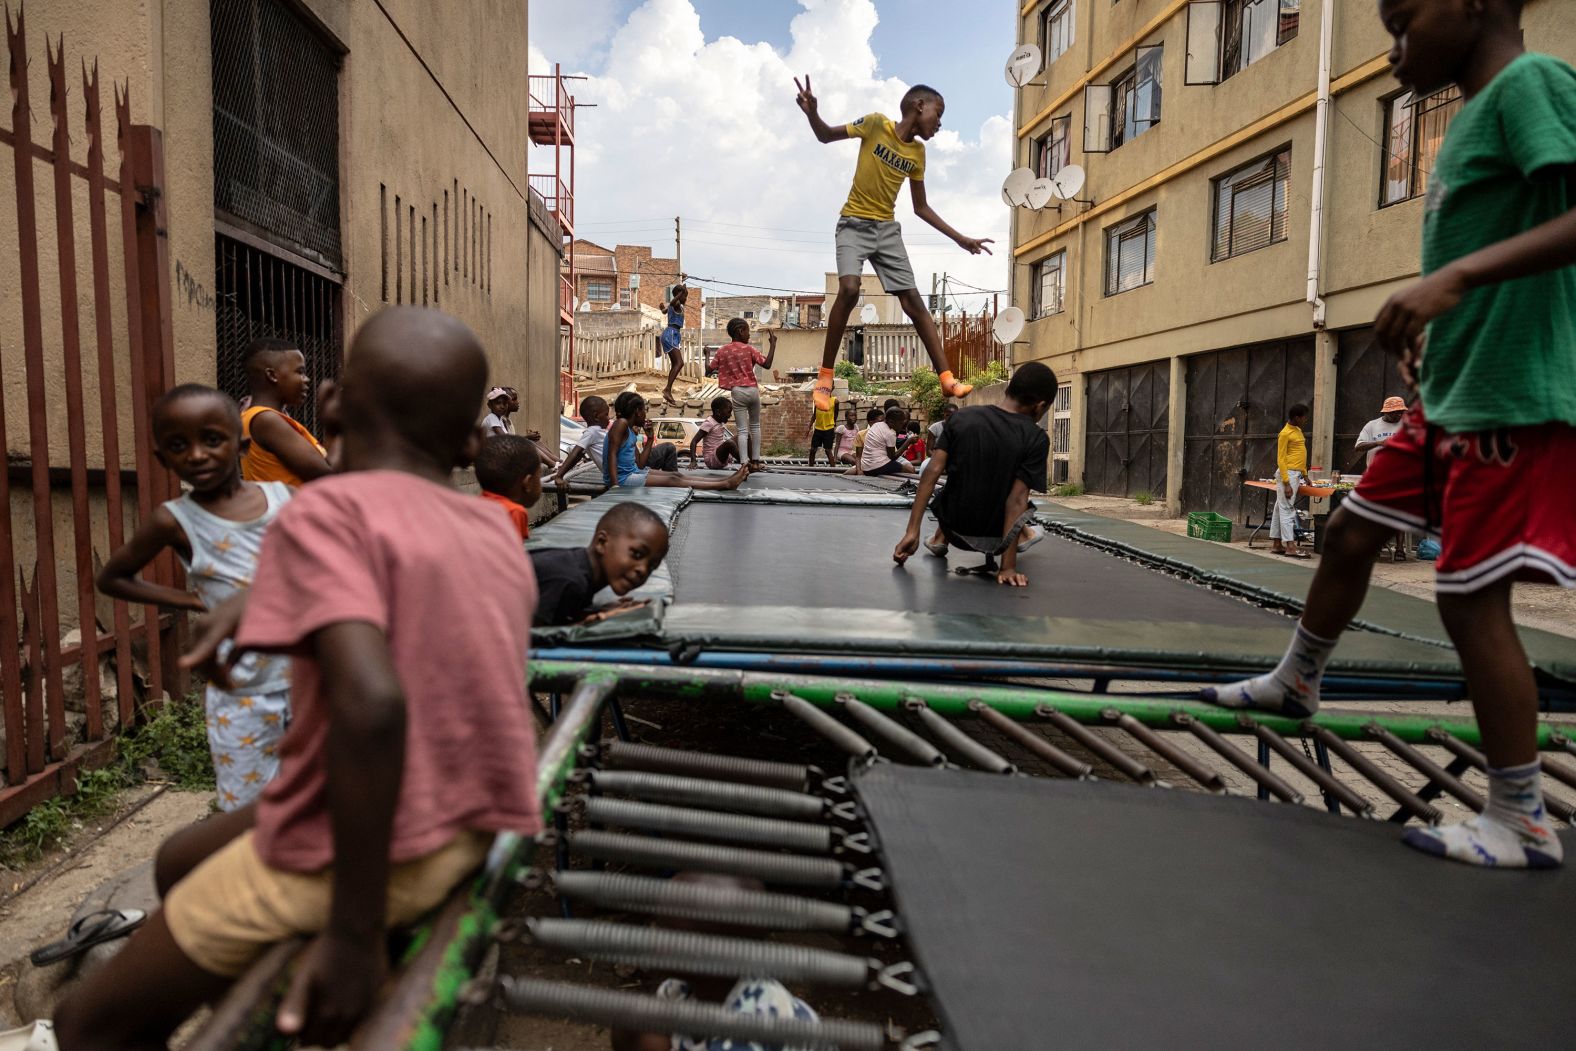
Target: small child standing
[(276, 447), (217, 531), (629, 545), (1291, 470), (736, 365), (509, 470), (823, 433), (671, 338), (717, 447)]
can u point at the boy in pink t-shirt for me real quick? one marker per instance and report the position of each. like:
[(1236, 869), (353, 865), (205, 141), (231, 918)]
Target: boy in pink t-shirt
[(406, 606)]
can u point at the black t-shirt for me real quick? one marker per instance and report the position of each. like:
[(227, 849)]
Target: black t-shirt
[(988, 448), (564, 583)]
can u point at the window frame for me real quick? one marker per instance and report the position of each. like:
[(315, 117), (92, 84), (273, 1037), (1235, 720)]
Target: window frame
[(1120, 232), (1061, 427), (1045, 144), (1126, 87), (1275, 175), (1446, 97), (1037, 285), (1235, 15), (1057, 9), (599, 291)]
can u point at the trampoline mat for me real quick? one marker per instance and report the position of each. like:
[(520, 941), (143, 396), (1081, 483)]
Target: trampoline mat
[(806, 481), (839, 558), (1085, 914)]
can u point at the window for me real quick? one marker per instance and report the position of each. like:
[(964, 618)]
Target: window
[(1056, 30), (1130, 254), (599, 291), (749, 313), (1050, 285), (1136, 97), (626, 297), (1053, 151), (1250, 206), (1413, 131), (1254, 28), (1061, 433), (671, 432)]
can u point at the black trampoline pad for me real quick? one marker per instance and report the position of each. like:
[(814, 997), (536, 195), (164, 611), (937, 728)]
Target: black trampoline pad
[(805, 481), (841, 557), (1078, 914)]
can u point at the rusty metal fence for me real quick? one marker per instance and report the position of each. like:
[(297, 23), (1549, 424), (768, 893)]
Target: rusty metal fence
[(111, 657)]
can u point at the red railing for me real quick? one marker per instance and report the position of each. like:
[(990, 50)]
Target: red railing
[(49, 734), (554, 193), (548, 97)]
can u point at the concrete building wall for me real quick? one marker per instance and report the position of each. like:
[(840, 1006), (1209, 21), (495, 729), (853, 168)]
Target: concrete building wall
[(1195, 305)]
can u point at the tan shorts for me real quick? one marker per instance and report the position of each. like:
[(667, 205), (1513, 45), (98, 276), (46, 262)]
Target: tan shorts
[(232, 907)]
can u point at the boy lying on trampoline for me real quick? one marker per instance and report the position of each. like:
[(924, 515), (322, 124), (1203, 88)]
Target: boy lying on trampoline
[(1489, 336), (992, 455), (630, 543), (625, 465)]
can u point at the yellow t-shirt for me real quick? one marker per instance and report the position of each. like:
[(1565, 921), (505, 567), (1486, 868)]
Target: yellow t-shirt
[(884, 162), (1291, 452), (826, 420)]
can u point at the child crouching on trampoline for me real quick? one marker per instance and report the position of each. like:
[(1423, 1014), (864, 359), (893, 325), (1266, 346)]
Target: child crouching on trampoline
[(993, 456), (625, 465), (1489, 335)]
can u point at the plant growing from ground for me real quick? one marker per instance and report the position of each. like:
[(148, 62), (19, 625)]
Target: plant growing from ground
[(1067, 489), (993, 372), (1144, 497), (924, 389), (847, 370)]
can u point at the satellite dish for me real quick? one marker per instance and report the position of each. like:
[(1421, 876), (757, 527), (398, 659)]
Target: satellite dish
[(1009, 325), (1040, 193), (1069, 181), (766, 317), (868, 314), (584, 307), (1023, 64), (1015, 188)]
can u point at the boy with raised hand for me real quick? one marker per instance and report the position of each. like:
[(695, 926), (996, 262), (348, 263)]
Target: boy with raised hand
[(889, 153), (993, 457), (630, 543), (1482, 459), (275, 446), (406, 606)]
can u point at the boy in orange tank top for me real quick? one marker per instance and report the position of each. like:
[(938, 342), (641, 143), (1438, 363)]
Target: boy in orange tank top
[(276, 447)]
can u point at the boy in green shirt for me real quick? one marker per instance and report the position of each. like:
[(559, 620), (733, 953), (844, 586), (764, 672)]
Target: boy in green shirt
[(889, 153), (1489, 335)]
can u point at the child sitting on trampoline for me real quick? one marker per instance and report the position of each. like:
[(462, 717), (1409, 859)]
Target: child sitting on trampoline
[(993, 456), (717, 447), (885, 441), (630, 543), (1482, 459), (625, 465)]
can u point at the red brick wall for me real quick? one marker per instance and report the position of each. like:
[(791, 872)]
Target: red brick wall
[(787, 422)]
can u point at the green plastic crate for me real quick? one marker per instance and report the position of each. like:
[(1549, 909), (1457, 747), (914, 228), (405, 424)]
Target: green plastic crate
[(1207, 525)]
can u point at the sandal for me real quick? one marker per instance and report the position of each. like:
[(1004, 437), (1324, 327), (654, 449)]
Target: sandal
[(1300, 555), (1029, 536), (939, 550), (93, 929)]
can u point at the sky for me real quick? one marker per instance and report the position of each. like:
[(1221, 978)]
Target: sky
[(694, 116)]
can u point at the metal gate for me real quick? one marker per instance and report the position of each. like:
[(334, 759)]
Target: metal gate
[(85, 385), (1127, 419), (1365, 375), (1236, 406)]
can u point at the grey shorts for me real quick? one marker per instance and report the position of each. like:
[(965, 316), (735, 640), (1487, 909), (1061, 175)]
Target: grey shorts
[(879, 242)]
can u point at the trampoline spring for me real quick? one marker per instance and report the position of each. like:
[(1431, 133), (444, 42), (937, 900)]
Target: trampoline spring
[(1461, 750), (1327, 782), (716, 795), (710, 825), (1408, 800), (1239, 759), (634, 1011), (1559, 772), (840, 736), (1166, 750), (954, 740), (835, 785), (1426, 766), (708, 902), (1562, 742), (719, 955), (1105, 750), (1031, 742), (899, 978), (788, 869), (871, 879), (882, 924), (897, 737), (630, 756)]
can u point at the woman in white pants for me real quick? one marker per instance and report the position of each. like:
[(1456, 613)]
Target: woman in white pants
[(735, 365), (1291, 468)]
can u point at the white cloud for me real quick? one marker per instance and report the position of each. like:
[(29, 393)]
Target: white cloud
[(708, 129)]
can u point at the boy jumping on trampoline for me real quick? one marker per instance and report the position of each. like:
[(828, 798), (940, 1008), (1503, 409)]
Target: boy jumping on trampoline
[(411, 743), (671, 338), (993, 456), (888, 154), (1481, 460)]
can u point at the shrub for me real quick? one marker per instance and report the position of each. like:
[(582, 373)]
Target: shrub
[(1144, 497), (847, 370), (924, 389), (993, 372), (1067, 489)]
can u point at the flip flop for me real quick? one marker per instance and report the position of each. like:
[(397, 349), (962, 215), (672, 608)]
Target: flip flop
[(37, 1036), (1029, 536), (939, 550), (1300, 555), (93, 929)]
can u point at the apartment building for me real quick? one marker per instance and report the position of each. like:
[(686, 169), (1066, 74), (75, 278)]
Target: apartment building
[(627, 277), (1239, 227)]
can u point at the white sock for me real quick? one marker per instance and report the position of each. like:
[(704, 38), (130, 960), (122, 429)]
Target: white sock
[(1291, 689), (1513, 832)]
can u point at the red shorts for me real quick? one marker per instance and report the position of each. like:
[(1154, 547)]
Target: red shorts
[(1501, 502)]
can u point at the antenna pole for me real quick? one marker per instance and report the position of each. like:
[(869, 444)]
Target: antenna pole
[(678, 246)]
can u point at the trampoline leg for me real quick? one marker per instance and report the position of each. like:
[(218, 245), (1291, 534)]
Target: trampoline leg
[(1321, 755), (561, 856), (1102, 685), (617, 713), (1264, 761), (554, 703)]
